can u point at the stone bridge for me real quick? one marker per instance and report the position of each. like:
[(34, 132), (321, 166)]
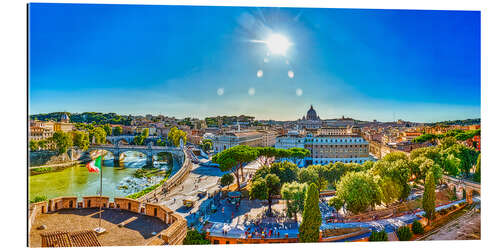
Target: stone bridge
[(459, 185), (149, 150), (128, 139)]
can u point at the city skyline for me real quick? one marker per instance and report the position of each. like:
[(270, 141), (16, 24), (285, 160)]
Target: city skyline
[(420, 66), (236, 115)]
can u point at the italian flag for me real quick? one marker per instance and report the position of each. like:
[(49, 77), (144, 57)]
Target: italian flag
[(95, 165)]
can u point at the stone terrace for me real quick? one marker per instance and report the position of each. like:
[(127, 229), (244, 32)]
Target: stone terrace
[(137, 228)]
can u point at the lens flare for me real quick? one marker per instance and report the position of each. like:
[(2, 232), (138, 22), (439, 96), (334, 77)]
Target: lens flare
[(277, 44)]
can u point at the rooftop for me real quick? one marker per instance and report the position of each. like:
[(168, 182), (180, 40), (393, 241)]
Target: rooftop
[(73, 226)]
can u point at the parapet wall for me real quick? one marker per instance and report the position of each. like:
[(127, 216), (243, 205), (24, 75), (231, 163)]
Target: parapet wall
[(173, 235)]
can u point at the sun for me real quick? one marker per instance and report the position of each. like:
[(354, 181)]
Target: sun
[(277, 44)]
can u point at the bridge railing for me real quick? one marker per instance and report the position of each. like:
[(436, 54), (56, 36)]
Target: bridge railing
[(466, 182)]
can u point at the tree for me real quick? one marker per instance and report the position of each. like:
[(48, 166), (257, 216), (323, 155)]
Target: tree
[(268, 153), (390, 190), (308, 175), (322, 173), (233, 159), (194, 237), (311, 219), (433, 153), (451, 165), (107, 129), (206, 144), (42, 144), (467, 156), (477, 173), (160, 142), (336, 203), (359, 191), (404, 233), (175, 135), (118, 130), (145, 133), (63, 141), (33, 145), (417, 227), (394, 156), (139, 140), (448, 142), (429, 197), (395, 172), (81, 140), (425, 138), (298, 153), (378, 236), (226, 180), (294, 193), (263, 188), (98, 135), (427, 165), (286, 171)]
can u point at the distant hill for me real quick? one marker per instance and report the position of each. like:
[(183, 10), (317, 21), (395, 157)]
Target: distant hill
[(87, 117), (456, 122)]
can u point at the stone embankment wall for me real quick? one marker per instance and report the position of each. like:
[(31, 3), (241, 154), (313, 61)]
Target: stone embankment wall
[(53, 158), (177, 179)]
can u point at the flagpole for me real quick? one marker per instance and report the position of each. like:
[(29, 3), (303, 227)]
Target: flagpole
[(100, 195)]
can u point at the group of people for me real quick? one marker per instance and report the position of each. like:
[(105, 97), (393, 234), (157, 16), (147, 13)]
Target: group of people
[(267, 230)]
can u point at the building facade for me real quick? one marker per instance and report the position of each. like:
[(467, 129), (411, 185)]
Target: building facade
[(252, 138)]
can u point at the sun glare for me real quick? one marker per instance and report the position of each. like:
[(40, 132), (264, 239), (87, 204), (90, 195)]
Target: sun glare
[(277, 44)]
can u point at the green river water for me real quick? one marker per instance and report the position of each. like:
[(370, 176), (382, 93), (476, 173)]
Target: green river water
[(77, 181)]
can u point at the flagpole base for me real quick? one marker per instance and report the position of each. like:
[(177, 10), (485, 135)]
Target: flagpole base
[(99, 230)]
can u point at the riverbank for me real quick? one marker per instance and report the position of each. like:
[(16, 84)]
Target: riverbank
[(36, 170)]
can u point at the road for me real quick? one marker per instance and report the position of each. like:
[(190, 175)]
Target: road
[(465, 227)]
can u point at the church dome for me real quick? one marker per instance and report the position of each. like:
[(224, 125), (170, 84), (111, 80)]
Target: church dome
[(311, 114), (65, 117)]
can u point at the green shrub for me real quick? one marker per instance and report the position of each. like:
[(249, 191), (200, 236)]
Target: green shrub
[(417, 227), (378, 236), (41, 170), (39, 198), (194, 237), (145, 191), (404, 233)]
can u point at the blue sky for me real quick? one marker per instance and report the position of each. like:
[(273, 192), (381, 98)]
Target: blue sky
[(176, 60)]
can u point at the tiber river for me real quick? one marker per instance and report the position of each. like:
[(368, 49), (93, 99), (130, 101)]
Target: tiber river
[(77, 181)]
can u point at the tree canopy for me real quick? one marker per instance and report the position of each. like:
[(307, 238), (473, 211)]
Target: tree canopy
[(63, 141), (264, 187), (294, 193), (234, 158), (175, 135), (359, 191)]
